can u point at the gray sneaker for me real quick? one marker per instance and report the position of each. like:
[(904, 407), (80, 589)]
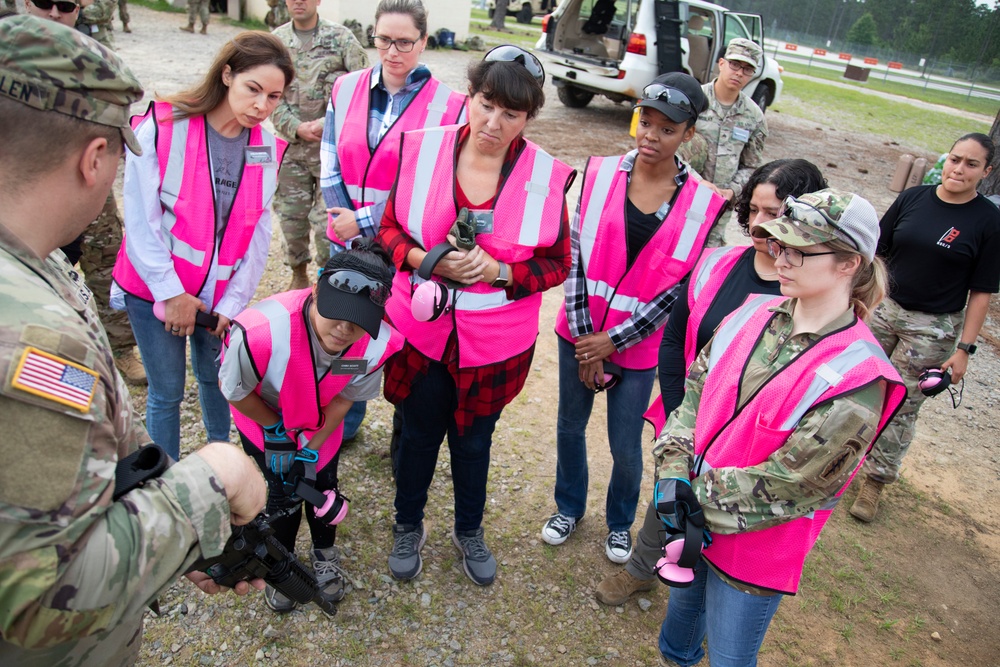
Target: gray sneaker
[(276, 601), (480, 565), (329, 575), (408, 539)]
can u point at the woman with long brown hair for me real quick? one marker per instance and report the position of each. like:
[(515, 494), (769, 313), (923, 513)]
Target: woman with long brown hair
[(198, 224)]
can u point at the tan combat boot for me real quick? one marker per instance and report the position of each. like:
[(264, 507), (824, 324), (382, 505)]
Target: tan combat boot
[(204, 29), (125, 28), (131, 369), (865, 506), (618, 588), (188, 28), (300, 277)]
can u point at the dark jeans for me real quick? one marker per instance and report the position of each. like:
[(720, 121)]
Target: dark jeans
[(287, 528), (428, 416)]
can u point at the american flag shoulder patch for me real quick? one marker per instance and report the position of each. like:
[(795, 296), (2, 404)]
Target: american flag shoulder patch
[(57, 379)]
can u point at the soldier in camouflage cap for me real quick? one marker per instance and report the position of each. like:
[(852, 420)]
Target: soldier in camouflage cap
[(821, 217), (76, 567)]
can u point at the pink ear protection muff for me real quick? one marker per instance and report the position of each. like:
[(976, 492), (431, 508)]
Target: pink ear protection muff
[(934, 381), (430, 299), (612, 374)]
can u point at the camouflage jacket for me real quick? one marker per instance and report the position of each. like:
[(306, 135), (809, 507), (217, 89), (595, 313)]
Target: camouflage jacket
[(332, 52), (733, 143), (95, 19), (790, 483), (74, 564)]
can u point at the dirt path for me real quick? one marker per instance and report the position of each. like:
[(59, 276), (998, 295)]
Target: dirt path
[(872, 595)]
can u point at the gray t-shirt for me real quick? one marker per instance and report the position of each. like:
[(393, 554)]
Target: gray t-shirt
[(226, 158)]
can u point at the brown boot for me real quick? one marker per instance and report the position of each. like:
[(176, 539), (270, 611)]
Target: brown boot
[(865, 506), (125, 28), (188, 28), (204, 29), (618, 588), (300, 278), (131, 369)]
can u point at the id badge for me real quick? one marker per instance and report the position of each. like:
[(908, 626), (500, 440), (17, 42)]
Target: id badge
[(741, 134), (262, 155), (349, 367), (484, 221)]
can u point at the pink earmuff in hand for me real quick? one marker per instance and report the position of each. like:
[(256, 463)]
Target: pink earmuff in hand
[(430, 300)]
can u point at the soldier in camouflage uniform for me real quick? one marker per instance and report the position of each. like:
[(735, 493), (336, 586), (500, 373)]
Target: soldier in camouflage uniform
[(95, 20), (322, 51), (277, 14), (733, 129), (197, 9), (77, 568)]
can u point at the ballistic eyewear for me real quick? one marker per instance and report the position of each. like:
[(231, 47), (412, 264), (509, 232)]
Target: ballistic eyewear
[(793, 256), (353, 282), (402, 45), (794, 209), (64, 6), (515, 54), (670, 96)]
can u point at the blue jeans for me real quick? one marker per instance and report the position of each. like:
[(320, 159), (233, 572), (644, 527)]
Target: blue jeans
[(626, 402), (735, 622), (166, 370), (353, 419), (428, 416)]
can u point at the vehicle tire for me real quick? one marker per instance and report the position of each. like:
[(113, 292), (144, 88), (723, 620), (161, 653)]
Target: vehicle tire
[(525, 15), (573, 97), (490, 12), (762, 96)]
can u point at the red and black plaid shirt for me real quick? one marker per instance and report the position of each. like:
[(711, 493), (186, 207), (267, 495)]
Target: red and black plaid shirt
[(483, 390)]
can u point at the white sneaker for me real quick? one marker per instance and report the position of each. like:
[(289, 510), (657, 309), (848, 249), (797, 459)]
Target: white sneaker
[(618, 546), (558, 528)]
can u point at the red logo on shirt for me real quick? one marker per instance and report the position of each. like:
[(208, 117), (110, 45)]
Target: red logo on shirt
[(948, 237)]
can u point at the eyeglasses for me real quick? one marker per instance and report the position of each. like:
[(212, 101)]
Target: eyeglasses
[(794, 208), (515, 54), (353, 282), (672, 96), (745, 70), (64, 6), (793, 256), (402, 45)]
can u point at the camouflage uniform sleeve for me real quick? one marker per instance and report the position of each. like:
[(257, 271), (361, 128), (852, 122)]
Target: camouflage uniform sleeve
[(285, 116), (138, 547), (751, 158), (803, 476), (98, 12), (674, 451)]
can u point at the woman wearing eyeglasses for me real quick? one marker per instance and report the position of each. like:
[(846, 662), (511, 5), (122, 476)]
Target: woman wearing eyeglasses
[(779, 411), (198, 224), (942, 245), (640, 225), (368, 112), (720, 282), (457, 371), (293, 366)]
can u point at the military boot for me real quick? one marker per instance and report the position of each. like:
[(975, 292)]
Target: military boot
[(125, 28), (204, 29), (865, 506), (131, 368), (188, 28), (300, 277)]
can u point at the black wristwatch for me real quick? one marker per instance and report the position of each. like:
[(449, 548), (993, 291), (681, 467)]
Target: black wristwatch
[(968, 348), (503, 276)]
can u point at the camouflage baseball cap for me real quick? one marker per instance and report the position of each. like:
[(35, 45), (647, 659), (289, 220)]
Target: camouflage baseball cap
[(823, 216), (54, 68), (745, 50)]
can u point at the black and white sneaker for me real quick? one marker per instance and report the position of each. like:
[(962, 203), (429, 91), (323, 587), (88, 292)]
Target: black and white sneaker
[(558, 528), (618, 546)]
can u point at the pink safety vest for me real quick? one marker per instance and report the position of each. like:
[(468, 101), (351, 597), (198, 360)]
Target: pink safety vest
[(188, 204), (369, 171), (726, 435), (615, 292), (710, 273), (527, 214), (278, 341)]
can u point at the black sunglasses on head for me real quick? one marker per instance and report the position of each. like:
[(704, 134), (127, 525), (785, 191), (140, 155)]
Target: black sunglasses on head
[(64, 6), (508, 53)]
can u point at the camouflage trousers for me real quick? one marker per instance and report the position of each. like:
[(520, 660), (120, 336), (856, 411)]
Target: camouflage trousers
[(914, 341), (123, 11), (118, 647), (101, 241), (299, 204), (198, 9)]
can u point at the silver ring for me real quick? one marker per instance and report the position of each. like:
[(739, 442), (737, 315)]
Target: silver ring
[(586, 357)]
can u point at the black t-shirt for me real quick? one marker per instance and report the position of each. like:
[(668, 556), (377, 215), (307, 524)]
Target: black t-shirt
[(741, 282), (639, 228), (937, 252)]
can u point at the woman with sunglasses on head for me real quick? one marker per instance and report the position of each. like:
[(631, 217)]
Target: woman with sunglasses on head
[(942, 246), (198, 224), (779, 410), (368, 112), (484, 186), (640, 225), (720, 283), (294, 364)]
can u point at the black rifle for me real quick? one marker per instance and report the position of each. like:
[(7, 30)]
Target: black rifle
[(253, 552)]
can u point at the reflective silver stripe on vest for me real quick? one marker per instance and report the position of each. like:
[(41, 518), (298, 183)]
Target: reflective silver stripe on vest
[(357, 193), (599, 194), (343, 101), (280, 322), (438, 106), (182, 250), (174, 174), (731, 329), (619, 302), (376, 346), (706, 270), (693, 221), (225, 272), (269, 180), (534, 204), (430, 146), (831, 373)]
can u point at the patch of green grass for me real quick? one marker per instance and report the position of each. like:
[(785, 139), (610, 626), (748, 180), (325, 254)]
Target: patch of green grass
[(847, 632), (161, 6), (852, 111), (914, 91), (888, 624), (519, 37)]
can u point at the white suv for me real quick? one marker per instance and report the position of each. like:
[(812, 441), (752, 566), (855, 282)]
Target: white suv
[(615, 48)]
